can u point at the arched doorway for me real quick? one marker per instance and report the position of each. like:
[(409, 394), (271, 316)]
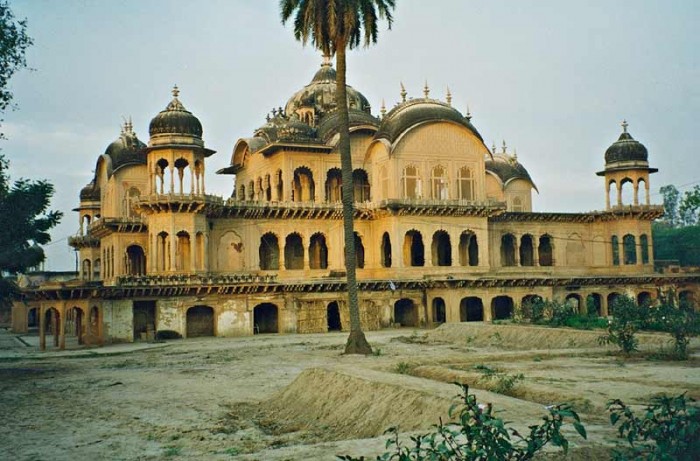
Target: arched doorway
[(269, 252), (545, 251), (406, 313), (413, 250), (318, 252), (333, 317), (468, 249), (441, 249), (200, 321), (526, 251), (612, 299), (439, 314), (293, 252), (135, 260), (644, 298), (265, 318), (33, 318), (386, 250), (508, 250), (594, 305), (144, 313), (686, 299), (574, 300), (74, 324), (502, 307), (471, 309), (52, 322)]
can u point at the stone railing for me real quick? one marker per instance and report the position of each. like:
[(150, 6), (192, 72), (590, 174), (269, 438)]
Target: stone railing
[(194, 279)]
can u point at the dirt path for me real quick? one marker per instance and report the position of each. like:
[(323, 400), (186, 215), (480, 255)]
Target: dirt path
[(283, 397)]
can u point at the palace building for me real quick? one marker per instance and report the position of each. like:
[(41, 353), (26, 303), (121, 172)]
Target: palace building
[(445, 230)]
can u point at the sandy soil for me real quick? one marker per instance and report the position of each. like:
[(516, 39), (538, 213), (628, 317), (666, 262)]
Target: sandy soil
[(295, 397)]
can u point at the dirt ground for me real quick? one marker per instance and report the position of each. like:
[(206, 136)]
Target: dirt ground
[(295, 397)]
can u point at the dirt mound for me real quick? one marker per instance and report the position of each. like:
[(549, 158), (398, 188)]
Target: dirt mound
[(347, 406), (524, 337)]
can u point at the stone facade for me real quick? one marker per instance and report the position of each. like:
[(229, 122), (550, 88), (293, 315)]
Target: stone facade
[(445, 230)]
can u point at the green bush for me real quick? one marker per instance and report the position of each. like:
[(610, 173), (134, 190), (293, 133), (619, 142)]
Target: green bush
[(624, 325), (668, 430), (682, 323), (480, 435)]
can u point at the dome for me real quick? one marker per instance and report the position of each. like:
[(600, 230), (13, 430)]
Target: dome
[(626, 149), (126, 150), (90, 192), (175, 120), (319, 95), (417, 111), (507, 168), (329, 126)]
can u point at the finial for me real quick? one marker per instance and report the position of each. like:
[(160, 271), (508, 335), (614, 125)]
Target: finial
[(403, 93), (625, 125), (267, 117), (515, 155), (449, 97), (176, 91), (426, 90), (469, 114), (326, 60), (504, 146), (493, 147), (382, 110), (274, 112), (280, 111)]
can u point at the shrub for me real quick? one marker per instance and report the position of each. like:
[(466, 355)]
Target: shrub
[(534, 310), (624, 325), (561, 312), (681, 323), (668, 430), (403, 368), (480, 435), (168, 334)]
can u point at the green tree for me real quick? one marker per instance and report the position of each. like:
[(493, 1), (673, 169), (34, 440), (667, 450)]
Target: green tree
[(333, 27), (14, 41), (671, 196), (689, 208), (24, 205)]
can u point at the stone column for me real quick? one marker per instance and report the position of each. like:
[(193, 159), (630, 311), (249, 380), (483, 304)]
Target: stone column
[(636, 193), (607, 195), (638, 250), (62, 327), (618, 186), (604, 306), (42, 328)]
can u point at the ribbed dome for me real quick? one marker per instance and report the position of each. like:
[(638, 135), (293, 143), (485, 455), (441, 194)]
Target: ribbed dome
[(90, 192), (320, 94), (175, 120), (417, 111), (126, 150), (507, 168), (626, 149), (329, 126)]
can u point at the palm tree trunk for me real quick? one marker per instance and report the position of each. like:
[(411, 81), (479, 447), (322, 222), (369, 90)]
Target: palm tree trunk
[(357, 343)]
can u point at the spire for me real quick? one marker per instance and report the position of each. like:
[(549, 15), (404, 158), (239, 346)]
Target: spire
[(403, 93), (449, 97), (469, 114), (426, 90), (493, 147), (176, 91), (504, 146), (382, 110), (624, 125)]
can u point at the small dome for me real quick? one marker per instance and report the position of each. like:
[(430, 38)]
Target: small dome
[(507, 168), (626, 149), (126, 150), (319, 95), (175, 120), (90, 193), (329, 126), (416, 111)]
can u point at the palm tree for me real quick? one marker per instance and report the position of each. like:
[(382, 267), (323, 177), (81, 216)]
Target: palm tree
[(333, 26)]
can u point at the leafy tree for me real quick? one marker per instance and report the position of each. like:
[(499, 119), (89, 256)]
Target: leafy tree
[(627, 320), (24, 207), (689, 208), (333, 26), (682, 243), (671, 196), (14, 41)]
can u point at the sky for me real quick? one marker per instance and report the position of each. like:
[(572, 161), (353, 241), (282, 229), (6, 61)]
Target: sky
[(552, 79)]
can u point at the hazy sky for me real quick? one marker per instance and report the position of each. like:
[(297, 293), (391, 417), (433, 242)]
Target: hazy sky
[(553, 79)]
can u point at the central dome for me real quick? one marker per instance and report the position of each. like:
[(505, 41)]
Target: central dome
[(319, 95)]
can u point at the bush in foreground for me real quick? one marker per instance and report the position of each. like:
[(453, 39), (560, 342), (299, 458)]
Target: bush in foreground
[(480, 435)]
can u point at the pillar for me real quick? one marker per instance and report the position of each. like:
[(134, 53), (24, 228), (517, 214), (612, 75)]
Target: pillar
[(618, 186), (636, 193), (607, 194), (62, 327), (42, 328)]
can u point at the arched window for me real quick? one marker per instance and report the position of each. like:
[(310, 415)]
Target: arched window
[(627, 191), (161, 170), (303, 189), (386, 250), (615, 244), (199, 251), (183, 251), (87, 269), (526, 251), (360, 186), (184, 175), (359, 252), (251, 190), (465, 183), (241, 193), (269, 252), (293, 252), (130, 198), (413, 249), (135, 260), (318, 252), (644, 243), (545, 251), (411, 183), (508, 250), (279, 185), (267, 185), (630, 248), (438, 183), (384, 180), (517, 204), (334, 183), (468, 249), (441, 249), (163, 251)]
